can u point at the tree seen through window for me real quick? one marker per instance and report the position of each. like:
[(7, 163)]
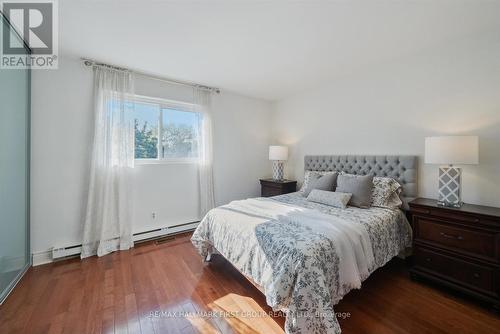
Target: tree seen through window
[(178, 129)]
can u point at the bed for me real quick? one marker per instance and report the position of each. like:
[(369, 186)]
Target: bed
[(306, 256)]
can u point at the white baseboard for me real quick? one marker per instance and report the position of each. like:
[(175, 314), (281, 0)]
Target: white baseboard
[(45, 257)]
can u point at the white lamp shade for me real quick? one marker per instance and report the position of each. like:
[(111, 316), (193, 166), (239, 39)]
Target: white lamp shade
[(452, 150), (278, 153)]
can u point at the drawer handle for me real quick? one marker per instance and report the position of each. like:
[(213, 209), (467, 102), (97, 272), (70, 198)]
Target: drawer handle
[(449, 236), (476, 275)]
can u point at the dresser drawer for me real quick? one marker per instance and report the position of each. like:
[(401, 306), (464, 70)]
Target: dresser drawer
[(273, 188), (459, 217), (454, 215), (472, 275), (271, 191), (474, 242)]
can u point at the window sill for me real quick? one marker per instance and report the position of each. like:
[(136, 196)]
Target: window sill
[(140, 162)]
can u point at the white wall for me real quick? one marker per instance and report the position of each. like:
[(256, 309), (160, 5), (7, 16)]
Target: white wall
[(388, 109), (61, 146)]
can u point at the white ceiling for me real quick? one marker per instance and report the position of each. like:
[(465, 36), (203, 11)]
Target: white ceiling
[(264, 49)]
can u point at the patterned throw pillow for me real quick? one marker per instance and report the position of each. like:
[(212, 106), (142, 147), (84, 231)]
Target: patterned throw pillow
[(386, 193)]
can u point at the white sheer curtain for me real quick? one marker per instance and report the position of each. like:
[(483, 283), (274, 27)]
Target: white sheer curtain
[(202, 102), (107, 225)]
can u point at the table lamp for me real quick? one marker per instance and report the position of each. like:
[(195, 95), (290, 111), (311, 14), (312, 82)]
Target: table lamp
[(278, 154), (450, 151)]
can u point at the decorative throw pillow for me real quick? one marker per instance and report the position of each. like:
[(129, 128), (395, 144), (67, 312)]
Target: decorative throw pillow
[(386, 193), (311, 174), (360, 186), (336, 199), (321, 182)]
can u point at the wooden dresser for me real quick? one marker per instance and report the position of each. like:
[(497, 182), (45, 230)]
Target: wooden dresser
[(270, 187), (459, 248)]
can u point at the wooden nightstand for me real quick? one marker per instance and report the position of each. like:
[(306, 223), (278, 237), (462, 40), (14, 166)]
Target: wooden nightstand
[(459, 248), (270, 187)]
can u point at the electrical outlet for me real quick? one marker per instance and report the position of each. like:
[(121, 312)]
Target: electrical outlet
[(153, 215)]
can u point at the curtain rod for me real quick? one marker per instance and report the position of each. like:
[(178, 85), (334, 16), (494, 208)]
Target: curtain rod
[(92, 62)]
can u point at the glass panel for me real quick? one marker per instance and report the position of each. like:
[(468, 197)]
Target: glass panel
[(14, 175), (146, 130), (180, 134)]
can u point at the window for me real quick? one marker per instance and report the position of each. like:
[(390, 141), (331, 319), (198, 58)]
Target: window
[(165, 130)]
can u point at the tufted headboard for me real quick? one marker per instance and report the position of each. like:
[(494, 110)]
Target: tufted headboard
[(402, 168)]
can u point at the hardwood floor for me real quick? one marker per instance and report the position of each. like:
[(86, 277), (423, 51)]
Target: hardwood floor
[(133, 292)]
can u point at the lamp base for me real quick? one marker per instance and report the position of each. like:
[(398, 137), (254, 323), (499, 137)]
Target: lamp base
[(450, 187), (278, 170), (450, 205)]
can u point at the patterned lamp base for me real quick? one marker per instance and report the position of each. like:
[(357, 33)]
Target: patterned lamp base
[(278, 170), (450, 193)]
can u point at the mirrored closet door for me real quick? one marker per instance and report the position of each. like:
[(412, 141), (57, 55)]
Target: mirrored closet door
[(15, 93)]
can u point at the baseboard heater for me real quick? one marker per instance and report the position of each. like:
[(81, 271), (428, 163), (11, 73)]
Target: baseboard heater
[(64, 252)]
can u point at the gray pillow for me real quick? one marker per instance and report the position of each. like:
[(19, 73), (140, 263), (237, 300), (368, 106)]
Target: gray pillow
[(321, 182), (359, 186), (336, 199)]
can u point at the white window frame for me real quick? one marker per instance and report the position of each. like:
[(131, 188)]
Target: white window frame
[(164, 104)]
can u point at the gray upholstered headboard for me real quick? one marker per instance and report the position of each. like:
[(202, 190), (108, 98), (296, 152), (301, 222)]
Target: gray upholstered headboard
[(402, 168)]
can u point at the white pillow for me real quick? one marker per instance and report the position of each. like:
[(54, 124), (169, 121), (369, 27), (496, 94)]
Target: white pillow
[(331, 198)]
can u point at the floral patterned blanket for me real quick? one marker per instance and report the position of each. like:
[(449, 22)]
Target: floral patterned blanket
[(306, 256)]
